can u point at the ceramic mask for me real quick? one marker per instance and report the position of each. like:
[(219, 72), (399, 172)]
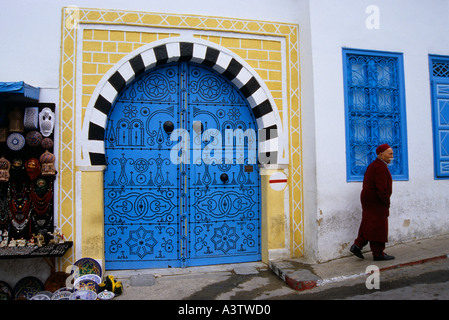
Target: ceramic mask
[(46, 121)]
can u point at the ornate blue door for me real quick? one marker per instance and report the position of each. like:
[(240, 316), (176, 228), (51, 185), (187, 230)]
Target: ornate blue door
[(182, 184)]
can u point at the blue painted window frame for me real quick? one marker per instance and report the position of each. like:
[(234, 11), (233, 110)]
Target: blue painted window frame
[(360, 152), (439, 76)]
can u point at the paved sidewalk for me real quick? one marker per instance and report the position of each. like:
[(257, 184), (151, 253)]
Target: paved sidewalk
[(302, 276)]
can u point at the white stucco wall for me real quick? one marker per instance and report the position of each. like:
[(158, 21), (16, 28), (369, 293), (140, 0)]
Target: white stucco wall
[(420, 205)]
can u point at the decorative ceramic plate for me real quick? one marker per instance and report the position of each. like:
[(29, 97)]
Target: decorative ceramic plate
[(83, 295), (61, 295), (106, 295), (86, 266), (40, 296), (15, 141), (64, 289), (92, 277), (27, 287), (86, 284), (47, 293), (5, 291)]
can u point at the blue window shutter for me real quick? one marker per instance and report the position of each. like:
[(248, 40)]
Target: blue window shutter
[(439, 75), (374, 110)]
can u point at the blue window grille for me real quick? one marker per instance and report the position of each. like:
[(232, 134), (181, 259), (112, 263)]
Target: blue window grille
[(439, 83), (375, 110)]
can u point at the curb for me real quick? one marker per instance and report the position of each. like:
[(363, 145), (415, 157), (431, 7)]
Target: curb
[(293, 282), (444, 256), (310, 280)]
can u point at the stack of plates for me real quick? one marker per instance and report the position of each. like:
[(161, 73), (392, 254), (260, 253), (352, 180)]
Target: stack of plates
[(87, 277)]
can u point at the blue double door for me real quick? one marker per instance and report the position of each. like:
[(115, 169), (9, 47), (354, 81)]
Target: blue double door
[(182, 184)]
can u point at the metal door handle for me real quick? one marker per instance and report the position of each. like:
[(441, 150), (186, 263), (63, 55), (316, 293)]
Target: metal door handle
[(224, 177), (168, 127)]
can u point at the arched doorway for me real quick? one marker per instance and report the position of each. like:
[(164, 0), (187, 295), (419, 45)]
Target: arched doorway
[(182, 184)]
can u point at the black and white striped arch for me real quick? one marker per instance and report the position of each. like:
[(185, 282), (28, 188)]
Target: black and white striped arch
[(197, 51)]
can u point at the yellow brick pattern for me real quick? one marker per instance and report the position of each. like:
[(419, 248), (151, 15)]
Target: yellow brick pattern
[(264, 56), (101, 49), (104, 48)]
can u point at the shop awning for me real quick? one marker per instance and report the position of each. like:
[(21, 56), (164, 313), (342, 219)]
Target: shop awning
[(18, 92)]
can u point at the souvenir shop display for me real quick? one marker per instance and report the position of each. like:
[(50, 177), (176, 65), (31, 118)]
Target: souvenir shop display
[(27, 173), (88, 284)]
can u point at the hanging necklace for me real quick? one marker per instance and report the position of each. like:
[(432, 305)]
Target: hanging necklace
[(19, 206), (4, 207), (41, 204)]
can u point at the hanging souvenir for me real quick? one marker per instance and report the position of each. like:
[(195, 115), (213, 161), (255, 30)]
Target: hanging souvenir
[(31, 118), (15, 141), (47, 143), (41, 194), (46, 121), (16, 120), (20, 202), (4, 169), (47, 160), (33, 138), (3, 134), (4, 209), (33, 168), (17, 173)]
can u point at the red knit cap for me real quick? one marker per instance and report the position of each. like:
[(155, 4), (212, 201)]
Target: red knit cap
[(382, 148)]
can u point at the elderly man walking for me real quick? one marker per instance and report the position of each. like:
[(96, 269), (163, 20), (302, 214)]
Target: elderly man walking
[(375, 199)]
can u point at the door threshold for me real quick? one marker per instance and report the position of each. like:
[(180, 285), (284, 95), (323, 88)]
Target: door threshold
[(238, 268)]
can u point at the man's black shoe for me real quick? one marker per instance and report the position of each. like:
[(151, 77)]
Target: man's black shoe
[(356, 251), (384, 257)]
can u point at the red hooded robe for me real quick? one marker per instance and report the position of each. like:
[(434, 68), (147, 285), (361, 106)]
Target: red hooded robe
[(375, 198)]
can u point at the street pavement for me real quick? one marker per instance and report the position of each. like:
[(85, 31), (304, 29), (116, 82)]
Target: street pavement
[(420, 271)]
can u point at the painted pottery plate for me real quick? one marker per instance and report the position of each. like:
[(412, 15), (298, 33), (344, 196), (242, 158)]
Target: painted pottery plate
[(86, 266), (15, 141), (40, 296), (106, 295), (83, 295), (86, 284), (27, 287), (92, 277), (5, 291), (47, 293), (61, 295), (64, 289)]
